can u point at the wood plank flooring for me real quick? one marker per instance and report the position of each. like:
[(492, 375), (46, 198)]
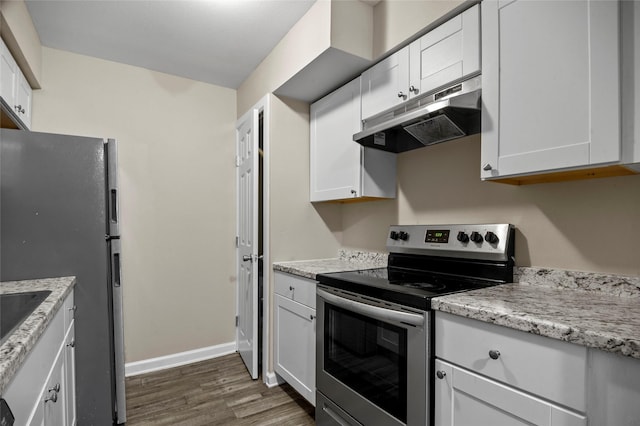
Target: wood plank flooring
[(214, 392)]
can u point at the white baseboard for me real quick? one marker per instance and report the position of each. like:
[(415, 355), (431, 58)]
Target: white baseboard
[(176, 360), (271, 379)]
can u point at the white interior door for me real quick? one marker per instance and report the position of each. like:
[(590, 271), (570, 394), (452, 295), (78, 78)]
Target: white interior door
[(247, 252)]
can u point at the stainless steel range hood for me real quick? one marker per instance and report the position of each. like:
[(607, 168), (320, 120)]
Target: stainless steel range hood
[(448, 114)]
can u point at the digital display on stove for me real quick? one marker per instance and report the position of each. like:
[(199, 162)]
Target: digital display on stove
[(437, 236)]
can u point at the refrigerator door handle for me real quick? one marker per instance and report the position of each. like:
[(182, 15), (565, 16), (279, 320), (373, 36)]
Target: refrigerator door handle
[(112, 179), (118, 330)]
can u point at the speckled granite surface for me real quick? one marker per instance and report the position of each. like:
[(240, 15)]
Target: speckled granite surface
[(614, 285), (16, 348), (594, 310), (347, 260)]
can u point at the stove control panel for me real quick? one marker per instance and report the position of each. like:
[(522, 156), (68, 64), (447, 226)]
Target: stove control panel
[(480, 241)]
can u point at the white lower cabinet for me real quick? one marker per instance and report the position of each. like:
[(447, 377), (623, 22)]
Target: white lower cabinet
[(488, 374), (42, 393), (467, 398), (295, 333)]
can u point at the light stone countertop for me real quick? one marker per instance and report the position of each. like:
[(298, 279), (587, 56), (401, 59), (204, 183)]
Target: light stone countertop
[(15, 349), (594, 310), (347, 260)]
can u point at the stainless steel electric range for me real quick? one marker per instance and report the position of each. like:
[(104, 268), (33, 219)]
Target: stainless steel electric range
[(374, 362)]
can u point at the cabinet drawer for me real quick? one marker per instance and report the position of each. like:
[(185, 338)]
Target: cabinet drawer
[(543, 366), (301, 290)]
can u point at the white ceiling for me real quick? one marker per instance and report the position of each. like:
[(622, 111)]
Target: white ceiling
[(214, 41)]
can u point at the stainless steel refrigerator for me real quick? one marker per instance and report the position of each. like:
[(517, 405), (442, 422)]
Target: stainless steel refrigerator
[(59, 217)]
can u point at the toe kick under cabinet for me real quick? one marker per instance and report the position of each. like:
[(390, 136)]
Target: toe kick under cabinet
[(295, 333)]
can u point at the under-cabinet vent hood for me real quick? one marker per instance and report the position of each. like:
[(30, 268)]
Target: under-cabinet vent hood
[(448, 114)]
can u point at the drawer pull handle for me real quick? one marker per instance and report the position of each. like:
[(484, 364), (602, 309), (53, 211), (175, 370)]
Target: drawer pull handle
[(493, 354), (440, 374)]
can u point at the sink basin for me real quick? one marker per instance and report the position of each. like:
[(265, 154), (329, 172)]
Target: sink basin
[(15, 307)]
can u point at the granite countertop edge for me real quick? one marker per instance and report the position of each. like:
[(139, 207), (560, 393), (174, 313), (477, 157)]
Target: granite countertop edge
[(347, 260), (600, 321), (19, 343)]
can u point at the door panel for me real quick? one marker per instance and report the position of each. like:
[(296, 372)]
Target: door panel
[(247, 160)]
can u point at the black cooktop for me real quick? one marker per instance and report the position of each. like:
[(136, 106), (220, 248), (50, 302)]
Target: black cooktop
[(403, 287), (413, 281)]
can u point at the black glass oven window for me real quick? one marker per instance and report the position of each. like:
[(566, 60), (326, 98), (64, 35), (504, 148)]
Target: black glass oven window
[(368, 356)]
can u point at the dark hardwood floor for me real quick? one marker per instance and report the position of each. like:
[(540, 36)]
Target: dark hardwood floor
[(213, 392)]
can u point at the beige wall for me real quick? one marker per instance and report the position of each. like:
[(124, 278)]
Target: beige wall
[(19, 33), (567, 225), (176, 145)]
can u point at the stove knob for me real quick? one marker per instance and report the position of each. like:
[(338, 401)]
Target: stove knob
[(476, 237), (403, 236), (393, 235), (491, 238), (463, 237)]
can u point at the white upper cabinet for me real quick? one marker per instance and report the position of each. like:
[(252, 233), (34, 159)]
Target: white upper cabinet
[(550, 86), (386, 84), (14, 87), (8, 69), (341, 168), (444, 55)]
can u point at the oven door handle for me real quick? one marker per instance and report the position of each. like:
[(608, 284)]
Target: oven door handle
[(375, 312)]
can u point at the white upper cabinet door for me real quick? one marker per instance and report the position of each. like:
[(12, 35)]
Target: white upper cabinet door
[(550, 85), (8, 69), (386, 84), (446, 54), (334, 156), (341, 168), (23, 99)]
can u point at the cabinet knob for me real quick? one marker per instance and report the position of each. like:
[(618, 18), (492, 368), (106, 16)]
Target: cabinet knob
[(487, 167), (413, 89), (494, 354), (53, 397), (291, 288), (72, 343), (53, 393), (19, 109), (440, 374), (401, 95), (354, 192), (312, 317)]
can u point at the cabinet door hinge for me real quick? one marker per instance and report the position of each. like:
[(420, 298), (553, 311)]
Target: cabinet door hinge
[(237, 161), (236, 320), (237, 241)]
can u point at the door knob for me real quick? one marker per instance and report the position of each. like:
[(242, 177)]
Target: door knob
[(247, 258)]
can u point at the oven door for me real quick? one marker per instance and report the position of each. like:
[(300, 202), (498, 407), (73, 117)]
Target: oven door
[(372, 359)]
